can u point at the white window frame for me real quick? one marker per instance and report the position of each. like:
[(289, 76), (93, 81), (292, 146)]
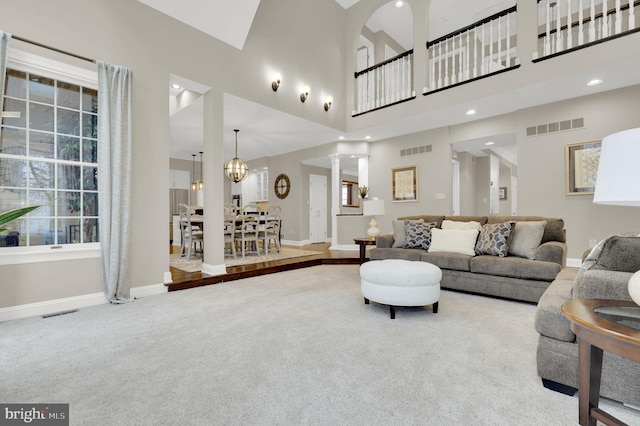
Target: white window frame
[(46, 67)]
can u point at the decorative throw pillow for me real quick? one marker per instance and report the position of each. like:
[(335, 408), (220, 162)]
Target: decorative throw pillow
[(398, 232), (494, 239), (525, 238), (418, 235), (454, 224), (461, 241)]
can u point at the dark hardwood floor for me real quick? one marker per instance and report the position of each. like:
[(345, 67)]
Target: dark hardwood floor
[(183, 280)]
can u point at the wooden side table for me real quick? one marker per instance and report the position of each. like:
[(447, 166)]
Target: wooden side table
[(601, 325), (363, 243)]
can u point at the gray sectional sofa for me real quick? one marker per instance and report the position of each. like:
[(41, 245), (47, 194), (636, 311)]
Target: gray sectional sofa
[(604, 274), (513, 277)]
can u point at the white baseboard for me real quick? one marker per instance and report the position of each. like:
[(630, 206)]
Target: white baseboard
[(574, 263), (345, 247), (214, 269), (70, 303), (168, 279)]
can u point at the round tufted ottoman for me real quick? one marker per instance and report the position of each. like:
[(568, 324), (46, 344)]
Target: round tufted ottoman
[(397, 282)]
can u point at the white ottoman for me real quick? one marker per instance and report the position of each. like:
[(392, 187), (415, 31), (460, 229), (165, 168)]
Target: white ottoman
[(397, 282)]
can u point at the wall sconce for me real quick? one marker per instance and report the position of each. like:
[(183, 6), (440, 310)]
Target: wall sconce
[(327, 103), (304, 94), (276, 81)]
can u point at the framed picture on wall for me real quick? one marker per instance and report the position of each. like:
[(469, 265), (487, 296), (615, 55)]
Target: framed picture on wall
[(404, 184), (502, 193), (582, 161)]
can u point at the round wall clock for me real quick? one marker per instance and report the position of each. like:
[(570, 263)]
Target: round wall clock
[(282, 186)]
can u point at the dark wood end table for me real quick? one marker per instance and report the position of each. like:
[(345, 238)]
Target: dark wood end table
[(363, 243), (601, 325)]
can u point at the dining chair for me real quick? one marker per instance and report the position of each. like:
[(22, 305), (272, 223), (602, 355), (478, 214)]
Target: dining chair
[(249, 234), (191, 236), (230, 234), (270, 232)]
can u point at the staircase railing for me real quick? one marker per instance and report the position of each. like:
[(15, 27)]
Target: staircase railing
[(573, 24), (384, 84), (484, 48)]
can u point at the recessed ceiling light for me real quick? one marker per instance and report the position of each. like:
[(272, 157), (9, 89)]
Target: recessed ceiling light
[(594, 82), (471, 112), (399, 3), (489, 143), (367, 137), (176, 86), (341, 138)]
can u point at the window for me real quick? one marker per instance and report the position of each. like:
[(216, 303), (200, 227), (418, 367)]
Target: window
[(49, 156), (262, 181)]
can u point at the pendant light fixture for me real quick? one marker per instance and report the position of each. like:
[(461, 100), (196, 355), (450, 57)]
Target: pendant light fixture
[(194, 185), (200, 182), (235, 169)]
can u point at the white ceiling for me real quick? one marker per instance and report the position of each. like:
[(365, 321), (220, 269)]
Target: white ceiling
[(267, 132)]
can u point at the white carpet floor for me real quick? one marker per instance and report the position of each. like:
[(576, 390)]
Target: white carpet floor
[(292, 348)]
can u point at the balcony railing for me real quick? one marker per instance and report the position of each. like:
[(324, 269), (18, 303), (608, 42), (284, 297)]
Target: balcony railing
[(479, 50), (573, 24), (385, 84)]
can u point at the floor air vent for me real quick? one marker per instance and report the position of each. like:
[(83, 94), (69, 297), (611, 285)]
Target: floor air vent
[(558, 126), (57, 314)]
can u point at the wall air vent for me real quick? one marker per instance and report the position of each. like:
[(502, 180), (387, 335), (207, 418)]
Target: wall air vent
[(415, 150), (558, 126)]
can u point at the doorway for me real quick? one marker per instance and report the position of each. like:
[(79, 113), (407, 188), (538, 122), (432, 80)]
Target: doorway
[(317, 209)]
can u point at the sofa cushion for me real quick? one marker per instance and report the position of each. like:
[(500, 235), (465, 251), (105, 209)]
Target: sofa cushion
[(494, 239), (450, 261), (453, 241), (554, 231), (395, 253), (425, 218), (455, 224), (619, 253), (399, 232), (550, 321), (417, 234), (602, 284), (526, 238), (515, 267)]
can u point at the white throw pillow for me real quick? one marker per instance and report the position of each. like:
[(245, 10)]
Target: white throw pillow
[(454, 224), (461, 241)]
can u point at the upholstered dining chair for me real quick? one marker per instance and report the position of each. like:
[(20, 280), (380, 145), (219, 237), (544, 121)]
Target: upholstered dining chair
[(191, 236), (269, 232), (249, 234), (230, 234)]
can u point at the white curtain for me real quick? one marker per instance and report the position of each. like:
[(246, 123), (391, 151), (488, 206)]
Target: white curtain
[(114, 177), (5, 38)]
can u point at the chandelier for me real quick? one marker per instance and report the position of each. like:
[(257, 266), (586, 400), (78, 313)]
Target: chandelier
[(235, 169)]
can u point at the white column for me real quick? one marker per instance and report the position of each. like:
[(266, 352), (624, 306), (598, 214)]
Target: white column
[(336, 186), (363, 171)]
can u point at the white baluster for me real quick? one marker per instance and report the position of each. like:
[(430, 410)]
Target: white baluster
[(432, 80), (632, 15), (475, 52), (592, 21), (559, 38), (490, 47), (410, 76), (547, 39), (580, 19), (440, 65), (618, 25), (460, 59), (453, 60), (569, 29), (508, 58), (446, 62), (605, 23), (499, 61), (482, 46), (467, 69)]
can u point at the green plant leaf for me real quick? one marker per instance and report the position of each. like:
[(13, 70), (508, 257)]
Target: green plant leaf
[(10, 215)]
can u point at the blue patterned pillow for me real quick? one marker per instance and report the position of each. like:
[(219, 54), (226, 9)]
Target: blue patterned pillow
[(418, 235), (494, 239)]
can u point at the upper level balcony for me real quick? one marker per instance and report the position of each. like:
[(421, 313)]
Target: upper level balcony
[(515, 43)]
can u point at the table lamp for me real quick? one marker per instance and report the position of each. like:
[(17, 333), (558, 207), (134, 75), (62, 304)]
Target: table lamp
[(618, 181), (373, 208)]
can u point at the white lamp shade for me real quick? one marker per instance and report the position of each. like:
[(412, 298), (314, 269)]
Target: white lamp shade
[(373, 208), (618, 181)]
